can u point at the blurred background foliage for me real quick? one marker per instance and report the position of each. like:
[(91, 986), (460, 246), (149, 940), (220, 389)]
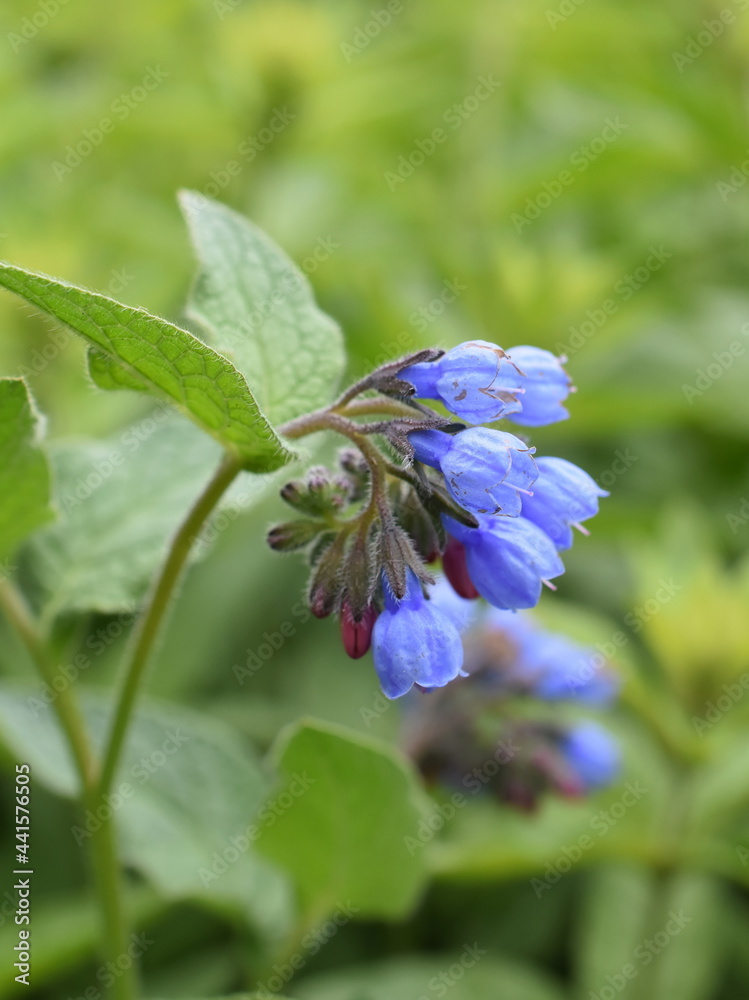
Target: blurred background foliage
[(659, 354)]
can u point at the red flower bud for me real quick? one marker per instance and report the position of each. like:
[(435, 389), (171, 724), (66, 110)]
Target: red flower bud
[(357, 636), (456, 569)]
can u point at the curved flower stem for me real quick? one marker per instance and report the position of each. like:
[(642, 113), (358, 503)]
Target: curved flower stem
[(391, 407), (65, 704), (148, 628)]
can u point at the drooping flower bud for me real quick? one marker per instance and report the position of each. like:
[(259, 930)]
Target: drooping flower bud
[(414, 642), (508, 558), (485, 471), (545, 386), (326, 586), (563, 496), (319, 494), (357, 635), (455, 569), (294, 535)]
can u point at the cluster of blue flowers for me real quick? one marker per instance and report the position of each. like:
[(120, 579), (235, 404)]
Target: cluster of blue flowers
[(509, 657), (522, 508)]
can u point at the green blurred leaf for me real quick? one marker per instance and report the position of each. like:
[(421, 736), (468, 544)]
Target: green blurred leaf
[(66, 934), (611, 922), (187, 786), (258, 309), (147, 352), (120, 501), (343, 840), (467, 975), (696, 924), (24, 473)]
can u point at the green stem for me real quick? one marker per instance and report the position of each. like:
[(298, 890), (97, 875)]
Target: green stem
[(64, 703), (103, 844), (148, 628), (109, 885)]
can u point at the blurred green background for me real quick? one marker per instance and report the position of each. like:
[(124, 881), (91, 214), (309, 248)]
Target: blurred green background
[(590, 199)]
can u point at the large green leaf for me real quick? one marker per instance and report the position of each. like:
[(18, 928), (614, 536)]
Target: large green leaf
[(471, 974), (24, 474), (186, 792), (690, 938), (345, 839), (611, 923), (119, 501), (147, 352), (257, 307)]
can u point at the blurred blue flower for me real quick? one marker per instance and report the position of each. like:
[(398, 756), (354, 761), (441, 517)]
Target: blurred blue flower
[(414, 642), (556, 668), (508, 559), (485, 470), (475, 380), (545, 387), (592, 753), (563, 496)]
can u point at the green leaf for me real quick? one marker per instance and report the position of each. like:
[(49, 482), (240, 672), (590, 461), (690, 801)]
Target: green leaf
[(67, 932), (120, 500), (24, 474), (612, 921), (186, 787), (257, 307), (149, 353), (474, 976), (345, 838), (695, 924)]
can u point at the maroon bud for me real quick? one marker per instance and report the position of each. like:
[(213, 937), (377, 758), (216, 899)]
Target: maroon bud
[(456, 569), (357, 636)]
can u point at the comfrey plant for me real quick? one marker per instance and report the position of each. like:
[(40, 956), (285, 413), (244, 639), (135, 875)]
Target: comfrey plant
[(496, 732), (435, 488), (109, 527)]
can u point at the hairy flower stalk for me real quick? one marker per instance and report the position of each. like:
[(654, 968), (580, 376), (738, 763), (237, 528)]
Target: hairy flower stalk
[(414, 487)]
